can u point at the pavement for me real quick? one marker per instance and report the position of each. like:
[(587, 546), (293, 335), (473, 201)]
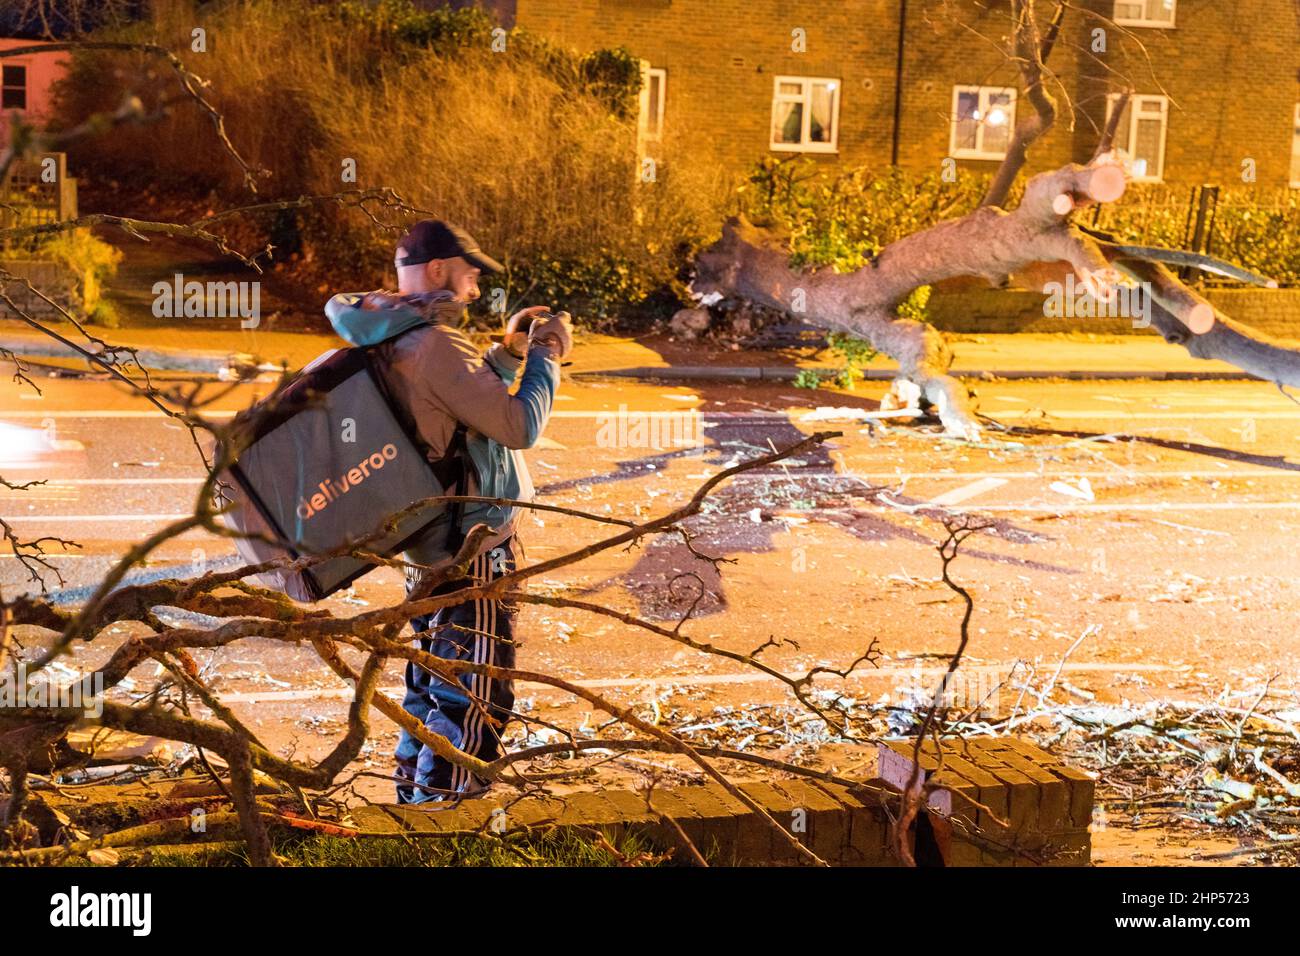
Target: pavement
[(658, 358), (1009, 356)]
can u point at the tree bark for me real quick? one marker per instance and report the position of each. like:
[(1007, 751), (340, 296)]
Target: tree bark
[(751, 263), (1226, 340), (1031, 53)]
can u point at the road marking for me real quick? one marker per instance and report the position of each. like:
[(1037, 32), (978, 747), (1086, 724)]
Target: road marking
[(1145, 415), (1151, 506), (1119, 472), (1184, 527), (966, 492), (685, 680), (53, 484), (19, 519), (1062, 413), (1048, 509), (93, 413), (60, 556)]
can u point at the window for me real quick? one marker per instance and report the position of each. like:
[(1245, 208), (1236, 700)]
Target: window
[(1145, 13), (1295, 150), (13, 87), (805, 114), (1140, 135), (982, 120), (654, 82)]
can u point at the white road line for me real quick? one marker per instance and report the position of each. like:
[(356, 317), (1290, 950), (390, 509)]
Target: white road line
[(966, 492), (1108, 414), (61, 557), (77, 482), (55, 484), (1144, 415), (94, 413), (684, 680), (557, 413), (1150, 506), (1045, 508), (1120, 471), (20, 519)]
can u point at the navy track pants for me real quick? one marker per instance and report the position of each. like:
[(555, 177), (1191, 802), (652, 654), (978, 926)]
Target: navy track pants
[(472, 712)]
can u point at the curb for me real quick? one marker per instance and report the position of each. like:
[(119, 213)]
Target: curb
[(786, 373), (994, 801), (162, 360)]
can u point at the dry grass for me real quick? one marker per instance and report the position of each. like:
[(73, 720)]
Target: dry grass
[(541, 172)]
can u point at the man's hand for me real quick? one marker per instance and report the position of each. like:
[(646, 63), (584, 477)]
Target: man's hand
[(514, 339), (554, 332)]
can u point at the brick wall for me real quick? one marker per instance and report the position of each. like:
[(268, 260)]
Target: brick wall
[(1230, 70), (57, 282), (1274, 312), (721, 58)]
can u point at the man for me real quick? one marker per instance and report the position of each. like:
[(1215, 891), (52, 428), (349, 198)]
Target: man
[(440, 380)]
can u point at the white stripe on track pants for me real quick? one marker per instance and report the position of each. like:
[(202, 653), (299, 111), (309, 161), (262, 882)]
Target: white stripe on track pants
[(472, 712)]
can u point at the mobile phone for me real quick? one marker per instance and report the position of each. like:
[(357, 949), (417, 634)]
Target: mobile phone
[(525, 326), (528, 325)]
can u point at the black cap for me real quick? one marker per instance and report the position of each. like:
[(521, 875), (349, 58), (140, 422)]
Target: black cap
[(435, 239)]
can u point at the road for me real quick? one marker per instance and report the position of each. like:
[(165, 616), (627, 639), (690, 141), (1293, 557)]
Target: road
[(1158, 521)]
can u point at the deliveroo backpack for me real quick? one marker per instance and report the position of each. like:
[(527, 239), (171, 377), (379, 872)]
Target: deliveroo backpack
[(329, 460)]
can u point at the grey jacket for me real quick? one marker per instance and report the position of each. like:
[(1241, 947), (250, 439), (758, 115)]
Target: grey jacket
[(441, 379)]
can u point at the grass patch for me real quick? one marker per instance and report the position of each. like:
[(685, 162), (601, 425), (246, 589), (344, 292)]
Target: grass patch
[(559, 848)]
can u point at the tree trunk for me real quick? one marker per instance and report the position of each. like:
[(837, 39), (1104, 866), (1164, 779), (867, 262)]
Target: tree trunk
[(751, 263)]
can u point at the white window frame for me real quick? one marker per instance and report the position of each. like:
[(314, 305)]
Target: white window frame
[(1112, 99), (648, 74), (1295, 146), (1145, 20), (984, 93), (805, 97)]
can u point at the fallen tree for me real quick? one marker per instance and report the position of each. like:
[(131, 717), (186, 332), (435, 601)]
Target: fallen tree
[(750, 262)]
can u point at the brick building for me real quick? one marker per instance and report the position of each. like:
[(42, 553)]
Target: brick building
[(1217, 84)]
